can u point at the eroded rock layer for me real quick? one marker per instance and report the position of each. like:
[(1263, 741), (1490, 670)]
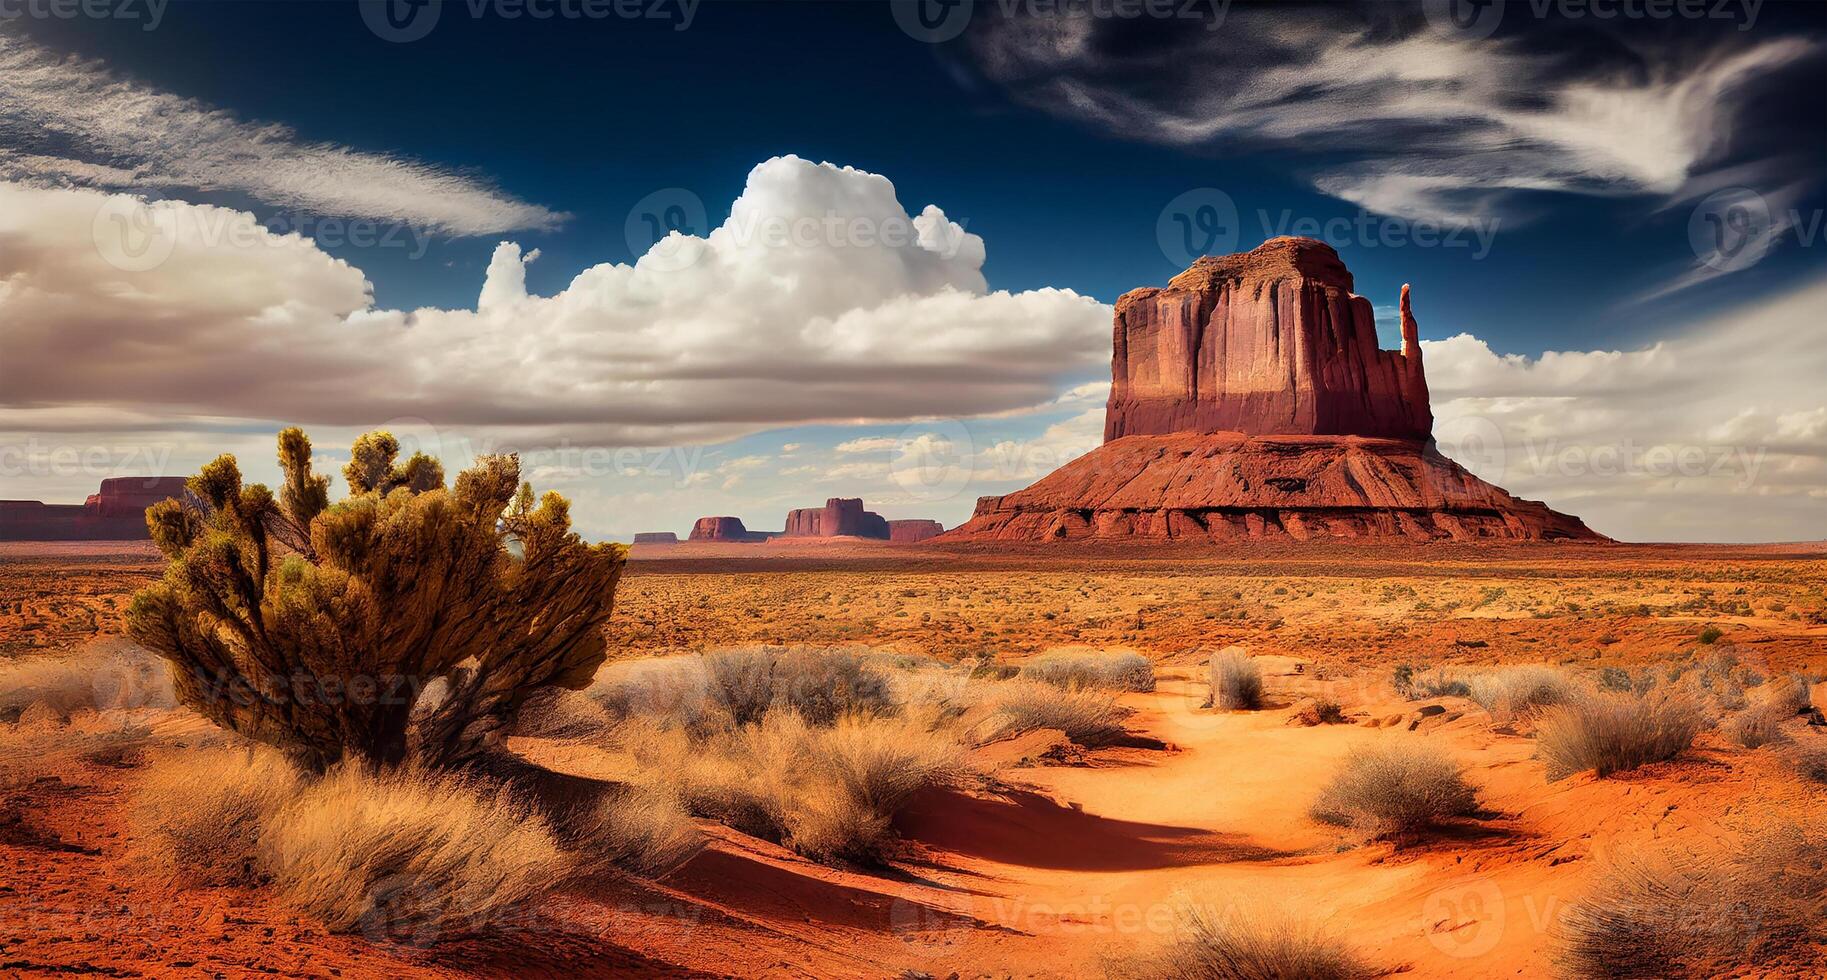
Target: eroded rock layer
[(1228, 486)]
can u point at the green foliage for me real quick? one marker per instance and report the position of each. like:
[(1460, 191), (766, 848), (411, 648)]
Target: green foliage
[(315, 627)]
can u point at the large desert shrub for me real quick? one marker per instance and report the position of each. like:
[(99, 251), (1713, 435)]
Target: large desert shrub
[(1119, 670), (1509, 693), (408, 853), (1395, 789), (200, 813), (1089, 717), (1248, 946), (313, 627), (1610, 733), (1236, 682)]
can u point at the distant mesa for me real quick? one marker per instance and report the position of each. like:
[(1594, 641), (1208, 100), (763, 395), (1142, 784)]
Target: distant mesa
[(656, 537), (725, 529), (841, 517), (1248, 400), (910, 532), (116, 512)]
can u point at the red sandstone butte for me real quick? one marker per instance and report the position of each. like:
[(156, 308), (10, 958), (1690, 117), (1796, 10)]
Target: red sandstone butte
[(840, 517), (1249, 400), (1268, 342), (911, 531), (115, 512), (721, 529)]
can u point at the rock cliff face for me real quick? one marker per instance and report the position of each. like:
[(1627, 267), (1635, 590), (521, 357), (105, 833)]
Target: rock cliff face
[(116, 512), (908, 532), (1269, 342), (840, 517), (656, 537), (1249, 399)]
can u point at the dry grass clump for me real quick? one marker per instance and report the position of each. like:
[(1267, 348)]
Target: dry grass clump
[(405, 853), (1236, 682), (1433, 683), (413, 854), (1089, 717), (1760, 724), (1759, 906), (1318, 711), (738, 687), (1119, 670), (1249, 946), (104, 674), (1395, 789), (202, 812), (1611, 733), (645, 829), (1509, 693), (827, 791), (1809, 759)]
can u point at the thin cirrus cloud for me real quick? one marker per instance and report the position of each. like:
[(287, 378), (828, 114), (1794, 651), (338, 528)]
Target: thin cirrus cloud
[(1420, 123), (70, 122)]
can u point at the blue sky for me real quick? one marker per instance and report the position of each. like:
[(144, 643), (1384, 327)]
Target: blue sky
[(1567, 162)]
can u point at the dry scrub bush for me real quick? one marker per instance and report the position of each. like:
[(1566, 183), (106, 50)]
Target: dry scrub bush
[(1760, 724), (1249, 946), (102, 675), (732, 688), (1611, 733), (1089, 717), (1236, 682), (819, 684), (313, 627), (1319, 711), (1809, 759), (1509, 693), (826, 791), (1393, 790), (1118, 670), (408, 852), (644, 829), (1761, 906), (201, 813)]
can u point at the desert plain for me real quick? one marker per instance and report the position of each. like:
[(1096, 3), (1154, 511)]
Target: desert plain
[(1050, 858)]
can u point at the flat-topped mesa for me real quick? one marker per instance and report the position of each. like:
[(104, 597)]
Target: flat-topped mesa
[(721, 529), (840, 517), (1266, 342)]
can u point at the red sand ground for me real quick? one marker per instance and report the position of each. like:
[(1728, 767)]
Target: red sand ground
[(1069, 865)]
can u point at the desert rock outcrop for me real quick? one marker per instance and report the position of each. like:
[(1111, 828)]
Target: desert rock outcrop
[(1249, 399)]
